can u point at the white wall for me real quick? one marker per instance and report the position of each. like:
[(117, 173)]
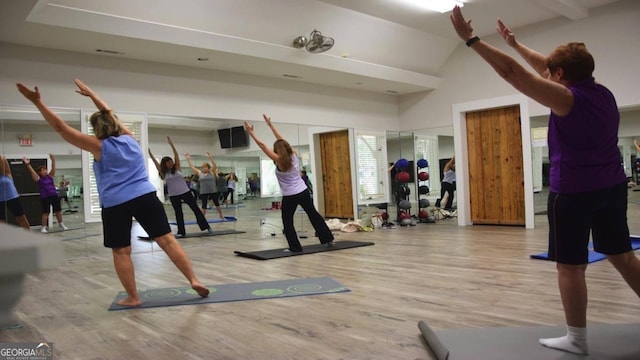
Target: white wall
[(136, 86), (612, 35)]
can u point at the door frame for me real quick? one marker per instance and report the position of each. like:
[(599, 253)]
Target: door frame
[(316, 163), (462, 161)]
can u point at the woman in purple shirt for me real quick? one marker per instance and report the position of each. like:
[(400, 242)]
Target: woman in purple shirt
[(588, 185), (48, 193), (294, 190), (123, 187)]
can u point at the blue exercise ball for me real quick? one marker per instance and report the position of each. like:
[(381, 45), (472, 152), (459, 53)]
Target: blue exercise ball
[(402, 163), (423, 163)]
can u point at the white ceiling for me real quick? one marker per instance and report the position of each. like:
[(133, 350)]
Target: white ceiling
[(380, 45)]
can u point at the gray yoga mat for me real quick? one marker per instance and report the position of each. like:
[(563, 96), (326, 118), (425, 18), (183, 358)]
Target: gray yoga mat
[(233, 292), (606, 341)]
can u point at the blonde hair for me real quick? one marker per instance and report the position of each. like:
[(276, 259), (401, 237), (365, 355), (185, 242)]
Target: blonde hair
[(284, 151), (105, 124)]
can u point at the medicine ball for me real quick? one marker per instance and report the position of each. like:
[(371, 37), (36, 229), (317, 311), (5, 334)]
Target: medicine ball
[(422, 163), (423, 214), (402, 177), (405, 215), (402, 163), (423, 176), (424, 203), (384, 216), (423, 189), (404, 204)]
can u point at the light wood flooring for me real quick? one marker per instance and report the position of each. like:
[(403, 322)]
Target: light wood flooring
[(449, 276)]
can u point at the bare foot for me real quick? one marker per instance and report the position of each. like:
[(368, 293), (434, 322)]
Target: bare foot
[(200, 289), (223, 218), (129, 301)]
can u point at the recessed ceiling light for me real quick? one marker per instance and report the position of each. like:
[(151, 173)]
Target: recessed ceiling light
[(441, 6), (203, 59)]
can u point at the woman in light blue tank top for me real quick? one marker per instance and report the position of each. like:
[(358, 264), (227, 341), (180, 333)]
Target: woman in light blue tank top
[(294, 190), (115, 152), (9, 197)]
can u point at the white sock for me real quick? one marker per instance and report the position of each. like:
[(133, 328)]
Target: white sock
[(574, 342)]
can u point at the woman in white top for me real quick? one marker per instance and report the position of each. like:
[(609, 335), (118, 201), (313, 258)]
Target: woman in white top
[(232, 180), (294, 190), (170, 171)]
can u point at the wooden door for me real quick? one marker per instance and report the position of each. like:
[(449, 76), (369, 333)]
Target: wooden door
[(496, 174), (336, 175)]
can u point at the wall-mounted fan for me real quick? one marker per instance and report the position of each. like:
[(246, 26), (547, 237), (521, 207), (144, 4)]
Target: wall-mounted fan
[(316, 43)]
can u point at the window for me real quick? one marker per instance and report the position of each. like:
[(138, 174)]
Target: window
[(372, 170)]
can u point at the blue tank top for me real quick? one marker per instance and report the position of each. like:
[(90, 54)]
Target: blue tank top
[(7, 189), (121, 174), (583, 146)]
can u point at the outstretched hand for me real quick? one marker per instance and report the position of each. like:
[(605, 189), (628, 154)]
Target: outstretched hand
[(267, 119), (248, 126), (83, 89), (31, 95), (26, 160), (506, 33), (463, 27)]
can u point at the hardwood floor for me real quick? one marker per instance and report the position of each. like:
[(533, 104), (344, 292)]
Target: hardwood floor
[(448, 276)]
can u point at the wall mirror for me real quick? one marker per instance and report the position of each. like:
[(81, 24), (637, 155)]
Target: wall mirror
[(24, 132)]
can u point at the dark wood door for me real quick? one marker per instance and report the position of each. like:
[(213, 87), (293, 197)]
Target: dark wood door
[(336, 175), (496, 174)]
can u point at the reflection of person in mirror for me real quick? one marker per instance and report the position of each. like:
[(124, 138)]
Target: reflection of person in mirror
[(48, 193), (116, 152), (63, 193), (170, 171), (232, 181), (448, 184), (207, 179), (294, 190), (588, 190), (9, 196)]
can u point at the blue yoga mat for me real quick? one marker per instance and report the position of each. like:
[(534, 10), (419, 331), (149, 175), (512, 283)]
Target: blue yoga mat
[(593, 255), (234, 292), (210, 221)]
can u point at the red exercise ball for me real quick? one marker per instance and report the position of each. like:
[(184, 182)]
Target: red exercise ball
[(423, 214), (402, 177), (423, 176)]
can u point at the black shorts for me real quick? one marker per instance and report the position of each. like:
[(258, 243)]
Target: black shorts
[(14, 205), (204, 198), (573, 217), (49, 202), (146, 209)]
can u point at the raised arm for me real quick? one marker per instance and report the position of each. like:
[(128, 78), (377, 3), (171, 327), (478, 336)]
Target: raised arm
[(214, 166), (156, 163), (5, 168), (549, 93), (176, 156), (68, 133), (101, 105), (269, 152), (52, 172), (193, 168), (275, 131), (635, 143), (536, 60), (33, 173), (450, 165)]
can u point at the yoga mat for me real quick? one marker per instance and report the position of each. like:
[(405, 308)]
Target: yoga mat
[(593, 255), (233, 292), (309, 249), (210, 221), (200, 234), (606, 341)]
